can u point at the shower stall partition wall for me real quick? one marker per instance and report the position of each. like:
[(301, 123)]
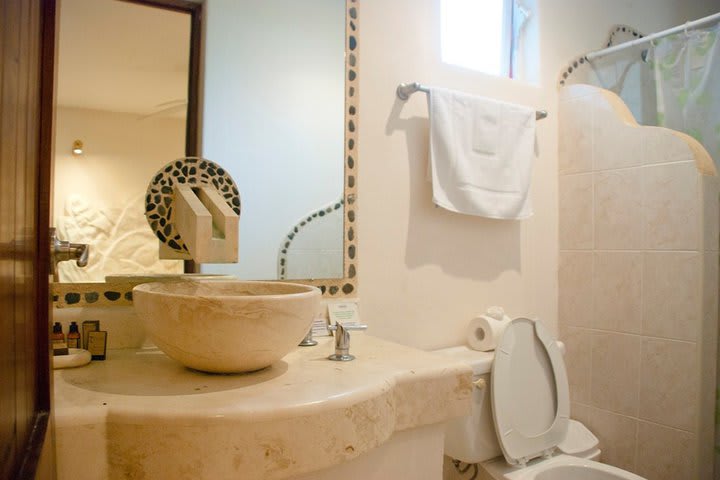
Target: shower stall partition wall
[(638, 285)]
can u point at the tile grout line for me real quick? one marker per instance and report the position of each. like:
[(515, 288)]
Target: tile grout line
[(630, 334), (621, 169)]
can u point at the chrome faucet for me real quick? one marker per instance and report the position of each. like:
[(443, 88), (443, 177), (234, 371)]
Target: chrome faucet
[(342, 340), (61, 250)]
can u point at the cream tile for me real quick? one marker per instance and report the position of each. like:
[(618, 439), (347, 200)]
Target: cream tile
[(660, 145), (670, 207), (576, 211), (665, 453), (710, 222), (617, 435), (575, 280), (578, 342), (708, 360), (617, 291), (615, 144), (710, 288), (672, 294), (618, 209), (575, 137), (580, 412), (615, 369), (669, 383)]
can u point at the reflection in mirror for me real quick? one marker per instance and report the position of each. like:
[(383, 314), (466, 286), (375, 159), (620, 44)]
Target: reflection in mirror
[(298, 185), (273, 116), (122, 93)]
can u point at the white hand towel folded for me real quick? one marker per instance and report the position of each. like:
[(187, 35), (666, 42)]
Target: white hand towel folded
[(481, 153)]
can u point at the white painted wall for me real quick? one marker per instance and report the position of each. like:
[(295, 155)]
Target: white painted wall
[(425, 272), (98, 196), (273, 116), (122, 153)]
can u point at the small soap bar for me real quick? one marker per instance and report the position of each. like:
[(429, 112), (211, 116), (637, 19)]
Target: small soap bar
[(60, 348)]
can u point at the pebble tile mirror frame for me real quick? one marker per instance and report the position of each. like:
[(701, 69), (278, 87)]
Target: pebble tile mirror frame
[(120, 293)]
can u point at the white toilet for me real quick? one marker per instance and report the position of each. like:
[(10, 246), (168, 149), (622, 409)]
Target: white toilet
[(529, 422)]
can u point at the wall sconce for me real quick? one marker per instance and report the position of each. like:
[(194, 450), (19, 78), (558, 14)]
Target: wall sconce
[(77, 148)]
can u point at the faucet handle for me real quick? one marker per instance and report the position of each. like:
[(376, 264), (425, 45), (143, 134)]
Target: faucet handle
[(61, 250), (342, 340), (348, 326)]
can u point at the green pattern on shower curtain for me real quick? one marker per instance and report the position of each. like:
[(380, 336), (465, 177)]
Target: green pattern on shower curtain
[(687, 79)]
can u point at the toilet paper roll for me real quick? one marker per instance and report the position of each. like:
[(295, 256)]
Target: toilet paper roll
[(484, 332)]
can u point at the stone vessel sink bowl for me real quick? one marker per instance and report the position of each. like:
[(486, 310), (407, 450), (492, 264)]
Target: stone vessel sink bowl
[(226, 326)]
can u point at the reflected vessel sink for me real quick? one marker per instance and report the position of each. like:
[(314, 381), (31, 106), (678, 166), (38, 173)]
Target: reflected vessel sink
[(226, 326)]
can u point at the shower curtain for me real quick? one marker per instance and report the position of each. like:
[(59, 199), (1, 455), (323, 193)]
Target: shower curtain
[(686, 68)]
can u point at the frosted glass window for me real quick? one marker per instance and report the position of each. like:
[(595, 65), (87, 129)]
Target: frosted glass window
[(476, 34)]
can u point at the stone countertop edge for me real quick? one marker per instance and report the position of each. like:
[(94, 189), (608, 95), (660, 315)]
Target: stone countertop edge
[(303, 415)]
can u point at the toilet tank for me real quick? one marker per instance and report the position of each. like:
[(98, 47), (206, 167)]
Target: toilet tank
[(472, 439)]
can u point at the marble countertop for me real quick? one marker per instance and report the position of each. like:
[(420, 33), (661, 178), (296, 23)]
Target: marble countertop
[(302, 414)]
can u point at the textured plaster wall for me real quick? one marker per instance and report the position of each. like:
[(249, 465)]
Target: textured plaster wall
[(425, 272)]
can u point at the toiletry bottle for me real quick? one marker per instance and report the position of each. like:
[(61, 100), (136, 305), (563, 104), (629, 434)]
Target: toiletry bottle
[(57, 334), (73, 336), (58, 340)]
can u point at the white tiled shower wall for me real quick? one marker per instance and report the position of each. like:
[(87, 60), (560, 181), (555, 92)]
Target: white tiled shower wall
[(638, 281)]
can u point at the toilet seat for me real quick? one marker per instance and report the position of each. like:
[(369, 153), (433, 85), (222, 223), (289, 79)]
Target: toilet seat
[(530, 395), (531, 409), (566, 467)]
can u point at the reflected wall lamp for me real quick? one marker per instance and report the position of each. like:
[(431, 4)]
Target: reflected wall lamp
[(77, 147)]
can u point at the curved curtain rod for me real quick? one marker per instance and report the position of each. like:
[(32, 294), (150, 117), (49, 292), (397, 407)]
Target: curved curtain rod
[(680, 28), (404, 90)]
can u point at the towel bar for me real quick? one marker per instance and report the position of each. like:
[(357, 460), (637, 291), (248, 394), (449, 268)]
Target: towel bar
[(404, 90)]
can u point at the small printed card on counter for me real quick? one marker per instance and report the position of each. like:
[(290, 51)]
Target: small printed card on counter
[(97, 344), (87, 327), (345, 312), (320, 327)]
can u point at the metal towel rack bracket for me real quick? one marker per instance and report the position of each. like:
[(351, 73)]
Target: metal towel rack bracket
[(404, 90)]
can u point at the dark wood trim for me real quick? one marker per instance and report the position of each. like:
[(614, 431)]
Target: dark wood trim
[(185, 6), (48, 56), (27, 75), (192, 132), (29, 468)]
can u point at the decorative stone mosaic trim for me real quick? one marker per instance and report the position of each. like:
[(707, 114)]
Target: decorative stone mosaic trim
[(347, 286), (297, 228), (93, 294), (99, 294), (184, 171), (582, 60)]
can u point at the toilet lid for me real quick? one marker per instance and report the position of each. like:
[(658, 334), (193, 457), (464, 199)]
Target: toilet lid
[(530, 399)]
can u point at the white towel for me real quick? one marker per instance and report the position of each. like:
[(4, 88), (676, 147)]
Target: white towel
[(481, 153)]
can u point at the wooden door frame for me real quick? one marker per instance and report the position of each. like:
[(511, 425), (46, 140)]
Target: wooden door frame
[(35, 457), (41, 426)]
